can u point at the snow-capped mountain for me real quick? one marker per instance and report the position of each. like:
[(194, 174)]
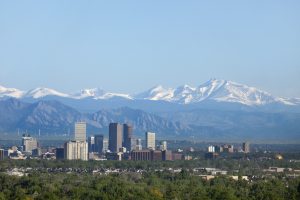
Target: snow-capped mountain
[(96, 93), (10, 92), (88, 93), (43, 92), (213, 90), (156, 93)]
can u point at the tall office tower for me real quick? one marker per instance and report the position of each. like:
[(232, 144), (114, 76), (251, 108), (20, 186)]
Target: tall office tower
[(76, 150), (163, 145), (132, 144), (127, 130), (80, 131), (138, 145), (29, 143), (246, 147), (150, 140), (98, 143), (211, 149), (105, 145), (91, 144), (115, 137)]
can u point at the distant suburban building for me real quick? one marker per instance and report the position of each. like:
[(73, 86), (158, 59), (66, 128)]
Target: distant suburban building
[(76, 150), (167, 155), (228, 148), (127, 136), (150, 140), (177, 156), (37, 152), (59, 153), (80, 131), (246, 147), (156, 155), (141, 155), (115, 137), (29, 143), (211, 155)]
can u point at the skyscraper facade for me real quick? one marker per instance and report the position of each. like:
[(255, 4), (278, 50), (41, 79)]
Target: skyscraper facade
[(91, 144), (29, 143), (115, 137), (163, 145), (246, 147), (138, 145), (150, 140), (105, 145), (80, 131), (127, 131), (76, 150), (99, 139)]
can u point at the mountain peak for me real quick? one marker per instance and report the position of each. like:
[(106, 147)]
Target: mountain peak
[(91, 92), (42, 92), (10, 92)]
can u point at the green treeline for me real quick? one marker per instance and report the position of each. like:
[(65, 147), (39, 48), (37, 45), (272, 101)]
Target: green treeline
[(152, 185)]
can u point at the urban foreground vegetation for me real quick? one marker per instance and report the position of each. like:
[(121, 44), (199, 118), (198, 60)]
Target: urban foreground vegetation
[(44, 179)]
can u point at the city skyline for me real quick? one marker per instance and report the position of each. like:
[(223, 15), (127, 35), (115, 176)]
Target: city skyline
[(54, 45)]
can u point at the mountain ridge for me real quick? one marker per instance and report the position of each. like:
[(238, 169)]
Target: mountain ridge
[(213, 90)]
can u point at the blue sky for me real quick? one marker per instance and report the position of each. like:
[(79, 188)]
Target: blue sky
[(129, 46)]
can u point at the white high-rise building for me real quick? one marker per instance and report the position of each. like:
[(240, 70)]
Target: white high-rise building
[(211, 149), (76, 150), (80, 131), (163, 145), (150, 140), (29, 143), (138, 146), (105, 145)]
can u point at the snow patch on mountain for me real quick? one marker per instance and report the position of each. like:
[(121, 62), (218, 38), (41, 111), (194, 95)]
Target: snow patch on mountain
[(157, 93), (10, 92), (43, 92), (96, 93), (85, 93)]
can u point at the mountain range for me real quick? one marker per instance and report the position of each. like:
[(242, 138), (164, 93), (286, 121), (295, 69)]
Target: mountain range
[(213, 90), (215, 110)]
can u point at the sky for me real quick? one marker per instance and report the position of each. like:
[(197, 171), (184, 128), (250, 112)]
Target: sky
[(130, 46)]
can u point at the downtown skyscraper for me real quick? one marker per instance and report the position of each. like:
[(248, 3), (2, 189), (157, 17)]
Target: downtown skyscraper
[(127, 137), (115, 137), (80, 131)]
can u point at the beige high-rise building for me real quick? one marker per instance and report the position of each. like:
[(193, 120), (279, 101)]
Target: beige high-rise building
[(29, 143), (150, 140), (76, 150), (246, 147), (80, 131)]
